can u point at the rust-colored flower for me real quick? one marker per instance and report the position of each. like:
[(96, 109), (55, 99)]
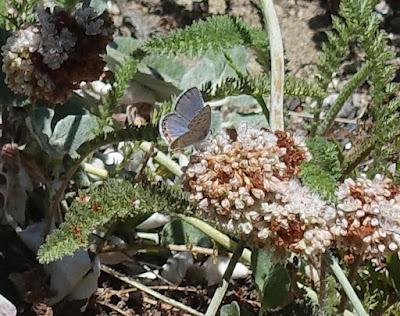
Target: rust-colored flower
[(247, 186), (368, 217)]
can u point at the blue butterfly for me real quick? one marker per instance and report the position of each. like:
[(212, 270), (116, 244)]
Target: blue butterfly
[(190, 121)]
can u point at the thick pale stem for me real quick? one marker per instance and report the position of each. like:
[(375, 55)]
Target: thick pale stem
[(348, 289), (221, 290), (163, 159), (216, 235), (277, 65)]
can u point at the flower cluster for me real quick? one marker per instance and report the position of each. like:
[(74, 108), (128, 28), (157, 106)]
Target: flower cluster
[(248, 186), (49, 59), (368, 217)]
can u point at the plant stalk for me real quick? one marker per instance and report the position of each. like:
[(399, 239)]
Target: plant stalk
[(277, 65), (344, 95), (348, 289), (221, 290), (216, 235), (163, 159)]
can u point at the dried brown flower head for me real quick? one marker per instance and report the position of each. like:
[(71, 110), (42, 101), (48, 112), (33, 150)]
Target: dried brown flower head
[(48, 60)]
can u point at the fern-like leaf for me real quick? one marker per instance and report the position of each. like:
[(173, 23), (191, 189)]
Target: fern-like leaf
[(217, 33), (322, 172), (256, 86), (114, 200)]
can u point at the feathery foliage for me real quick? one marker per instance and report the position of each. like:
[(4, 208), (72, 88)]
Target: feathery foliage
[(88, 211), (15, 13), (217, 33), (261, 86), (357, 25), (322, 172), (123, 74), (114, 200)]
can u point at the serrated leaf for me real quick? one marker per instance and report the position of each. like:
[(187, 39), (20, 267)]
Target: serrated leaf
[(271, 278), (179, 232), (231, 309)]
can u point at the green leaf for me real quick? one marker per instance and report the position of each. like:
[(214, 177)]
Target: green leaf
[(271, 278), (99, 5), (120, 51), (126, 44), (393, 264), (58, 134), (171, 69), (214, 68), (231, 309), (235, 119), (179, 232), (39, 123), (318, 180), (72, 131), (322, 172)]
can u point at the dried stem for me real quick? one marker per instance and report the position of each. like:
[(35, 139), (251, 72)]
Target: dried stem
[(151, 292)]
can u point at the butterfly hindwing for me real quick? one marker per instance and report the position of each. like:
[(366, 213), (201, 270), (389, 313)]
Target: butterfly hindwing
[(187, 139), (202, 121), (189, 104)]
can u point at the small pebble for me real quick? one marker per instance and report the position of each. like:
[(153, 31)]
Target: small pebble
[(348, 146)]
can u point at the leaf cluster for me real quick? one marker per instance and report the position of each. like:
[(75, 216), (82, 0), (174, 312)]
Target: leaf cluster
[(114, 200)]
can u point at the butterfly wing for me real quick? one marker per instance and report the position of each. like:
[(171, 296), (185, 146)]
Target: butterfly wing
[(202, 121), (189, 104), (199, 128), (172, 127)]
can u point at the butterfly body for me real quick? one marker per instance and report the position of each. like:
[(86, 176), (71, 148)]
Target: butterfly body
[(190, 121)]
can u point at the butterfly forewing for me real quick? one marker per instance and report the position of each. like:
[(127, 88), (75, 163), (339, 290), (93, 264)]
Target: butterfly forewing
[(172, 127), (189, 104)]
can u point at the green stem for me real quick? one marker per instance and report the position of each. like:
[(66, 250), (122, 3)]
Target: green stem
[(346, 92), (277, 65), (322, 284), (216, 235), (221, 290), (348, 289), (163, 159)]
